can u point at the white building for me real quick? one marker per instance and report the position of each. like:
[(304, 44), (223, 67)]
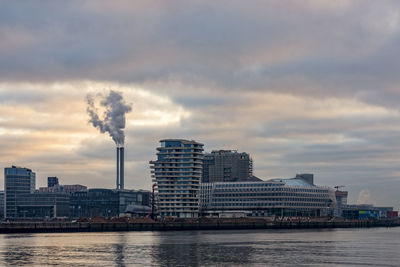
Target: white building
[(276, 197), (177, 174)]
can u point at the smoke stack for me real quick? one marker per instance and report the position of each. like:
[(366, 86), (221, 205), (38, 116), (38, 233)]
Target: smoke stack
[(117, 167), (121, 168)]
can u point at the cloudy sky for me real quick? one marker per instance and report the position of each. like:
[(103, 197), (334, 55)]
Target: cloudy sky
[(303, 86)]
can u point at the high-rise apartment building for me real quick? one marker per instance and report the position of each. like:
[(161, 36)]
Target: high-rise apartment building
[(17, 181), (227, 166), (177, 173)]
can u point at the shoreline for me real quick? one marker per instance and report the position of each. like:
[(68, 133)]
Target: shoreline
[(61, 227)]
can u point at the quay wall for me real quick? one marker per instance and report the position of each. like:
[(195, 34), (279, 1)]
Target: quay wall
[(57, 227)]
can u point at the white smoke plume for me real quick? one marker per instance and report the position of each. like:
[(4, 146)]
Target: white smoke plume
[(113, 119)]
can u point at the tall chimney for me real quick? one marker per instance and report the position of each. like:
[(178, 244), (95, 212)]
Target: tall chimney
[(117, 167), (121, 168)]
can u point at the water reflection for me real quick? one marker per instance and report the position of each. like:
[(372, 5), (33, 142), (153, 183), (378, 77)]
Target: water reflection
[(119, 250), (379, 246), (200, 249), (17, 254)]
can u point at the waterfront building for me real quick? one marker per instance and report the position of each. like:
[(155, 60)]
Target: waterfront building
[(17, 181), (42, 206), (1, 205), (106, 202), (276, 197), (366, 211), (227, 166), (52, 181), (177, 174)]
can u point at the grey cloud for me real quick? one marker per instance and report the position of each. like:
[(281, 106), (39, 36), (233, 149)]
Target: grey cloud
[(209, 58)]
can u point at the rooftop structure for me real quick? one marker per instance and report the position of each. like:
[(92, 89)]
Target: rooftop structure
[(52, 181)]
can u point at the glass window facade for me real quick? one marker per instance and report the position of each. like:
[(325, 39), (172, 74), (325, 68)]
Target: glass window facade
[(17, 181)]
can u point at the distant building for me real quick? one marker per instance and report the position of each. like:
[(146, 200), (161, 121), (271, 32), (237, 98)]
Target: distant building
[(106, 202), (366, 211), (1, 205), (66, 189), (42, 205), (177, 173), (17, 181), (52, 181), (276, 197), (341, 200), (227, 166)]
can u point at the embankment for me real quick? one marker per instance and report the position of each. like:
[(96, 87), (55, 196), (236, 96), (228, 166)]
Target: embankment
[(219, 224)]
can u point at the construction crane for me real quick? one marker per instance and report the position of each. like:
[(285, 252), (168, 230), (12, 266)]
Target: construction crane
[(338, 186)]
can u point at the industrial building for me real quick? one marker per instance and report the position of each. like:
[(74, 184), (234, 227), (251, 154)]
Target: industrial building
[(277, 197), (177, 174), (107, 202), (227, 166)]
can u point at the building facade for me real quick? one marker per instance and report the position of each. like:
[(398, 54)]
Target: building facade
[(227, 166), (277, 197), (177, 173), (52, 181), (17, 181), (106, 202), (66, 189), (42, 206), (1, 205)]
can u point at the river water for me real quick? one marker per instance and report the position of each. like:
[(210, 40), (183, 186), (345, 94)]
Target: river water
[(330, 247)]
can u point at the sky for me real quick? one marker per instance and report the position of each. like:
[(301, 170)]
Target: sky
[(304, 86)]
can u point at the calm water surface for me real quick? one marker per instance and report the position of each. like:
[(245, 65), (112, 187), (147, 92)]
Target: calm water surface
[(332, 247)]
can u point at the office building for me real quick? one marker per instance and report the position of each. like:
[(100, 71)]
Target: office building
[(177, 174), (107, 202), (1, 205), (52, 181), (276, 197), (17, 181), (42, 206), (227, 166)]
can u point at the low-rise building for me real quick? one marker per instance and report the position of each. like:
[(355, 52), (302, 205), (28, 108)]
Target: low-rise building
[(42, 205), (106, 202), (276, 197), (366, 211)]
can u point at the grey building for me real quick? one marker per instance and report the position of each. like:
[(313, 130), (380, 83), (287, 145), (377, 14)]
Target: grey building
[(279, 197), (17, 181), (1, 205), (106, 202), (227, 166)]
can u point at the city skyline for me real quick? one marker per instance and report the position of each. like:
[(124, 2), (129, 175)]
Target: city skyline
[(316, 93)]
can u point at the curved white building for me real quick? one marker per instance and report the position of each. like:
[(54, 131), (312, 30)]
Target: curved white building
[(280, 197)]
